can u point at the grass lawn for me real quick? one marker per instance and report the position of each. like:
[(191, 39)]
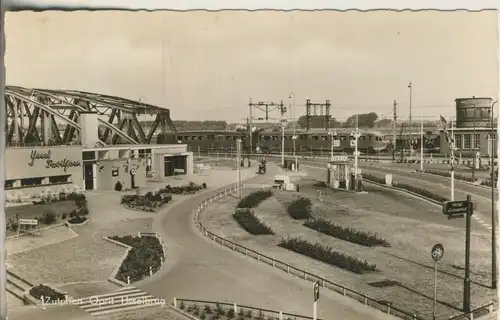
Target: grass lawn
[(30, 211), (411, 226)]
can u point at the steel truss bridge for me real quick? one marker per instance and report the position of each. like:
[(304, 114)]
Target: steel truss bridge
[(51, 117)]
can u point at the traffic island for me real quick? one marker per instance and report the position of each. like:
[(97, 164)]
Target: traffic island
[(144, 256), (385, 230)]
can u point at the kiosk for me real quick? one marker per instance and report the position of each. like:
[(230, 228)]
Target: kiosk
[(338, 173)]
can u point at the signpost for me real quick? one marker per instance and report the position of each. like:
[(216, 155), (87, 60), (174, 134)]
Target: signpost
[(315, 300), (27, 223), (436, 254), (458, 209), (455, 209)]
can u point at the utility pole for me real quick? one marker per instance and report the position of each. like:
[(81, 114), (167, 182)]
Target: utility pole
[(422, 144), (238, 165), (250, 132), (266, 108), (494, 279), (411, 131), (394, 131), (452, 177)]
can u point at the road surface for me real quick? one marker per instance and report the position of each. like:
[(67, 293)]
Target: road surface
[(199, 269)]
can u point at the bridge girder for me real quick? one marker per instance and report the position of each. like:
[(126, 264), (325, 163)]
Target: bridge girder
[(48, 117)]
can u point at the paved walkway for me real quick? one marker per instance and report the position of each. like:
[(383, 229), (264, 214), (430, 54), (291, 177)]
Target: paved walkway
[(86, 273), (199, 269)]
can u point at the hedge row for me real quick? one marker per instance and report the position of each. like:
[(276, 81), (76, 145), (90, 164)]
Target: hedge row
[(248, 221), (458, 177), (327, 255), (420, 191), (254, 199), (49, 295), (300, 209), (146, 252), (347, 234)]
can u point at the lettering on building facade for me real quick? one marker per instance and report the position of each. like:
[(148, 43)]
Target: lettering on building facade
[(64, 163)]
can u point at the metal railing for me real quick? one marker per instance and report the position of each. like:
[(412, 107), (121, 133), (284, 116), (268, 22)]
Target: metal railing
[(257, 313), (292, 270), (476, 313)]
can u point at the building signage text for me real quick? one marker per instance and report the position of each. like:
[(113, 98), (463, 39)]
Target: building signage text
[(64, 163)]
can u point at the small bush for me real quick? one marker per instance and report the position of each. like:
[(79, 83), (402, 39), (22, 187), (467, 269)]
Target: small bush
[(182, 306), (249, 314), (49, 294), (118, 186), (230, 313), (327, 255), (77, 220), (248, 221), (48, 218), (346, 234), (254, 199), (203, 316), (204, 185), (208, 309), (300, 209), (420, 191)]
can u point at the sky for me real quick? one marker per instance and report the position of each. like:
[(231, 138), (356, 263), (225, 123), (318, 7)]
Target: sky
[(207, 65)]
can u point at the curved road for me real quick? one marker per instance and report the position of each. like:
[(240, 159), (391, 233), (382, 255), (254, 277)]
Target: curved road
[(197, 268)]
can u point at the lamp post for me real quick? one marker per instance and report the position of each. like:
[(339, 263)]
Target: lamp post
[(294, 137), (493, 217), (356, 135)]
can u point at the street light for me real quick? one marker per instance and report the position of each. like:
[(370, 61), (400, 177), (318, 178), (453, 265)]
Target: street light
[(356, 135), (292, 96)]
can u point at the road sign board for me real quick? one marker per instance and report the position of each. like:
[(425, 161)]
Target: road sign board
[(283, 122), (336, 143), (28, 222), (339, 158), (437, 252), (455, 208), (316, 291)]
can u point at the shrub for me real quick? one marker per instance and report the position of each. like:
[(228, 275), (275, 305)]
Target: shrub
[(182, 306), (118, 186), (249, 314), (230, 313), (204, 185), (146, 252), (420, 191), (248, 221), (49, 294), (187, 189), (148, 202), (373, 178), (346, 234), (300, 209), (254, 199), (327, 255), (48, 217), (77, 220), (203, 316), (208, 309)]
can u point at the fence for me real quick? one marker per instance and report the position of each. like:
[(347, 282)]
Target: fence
[(478, 312), (381, 305), (257, 313)]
